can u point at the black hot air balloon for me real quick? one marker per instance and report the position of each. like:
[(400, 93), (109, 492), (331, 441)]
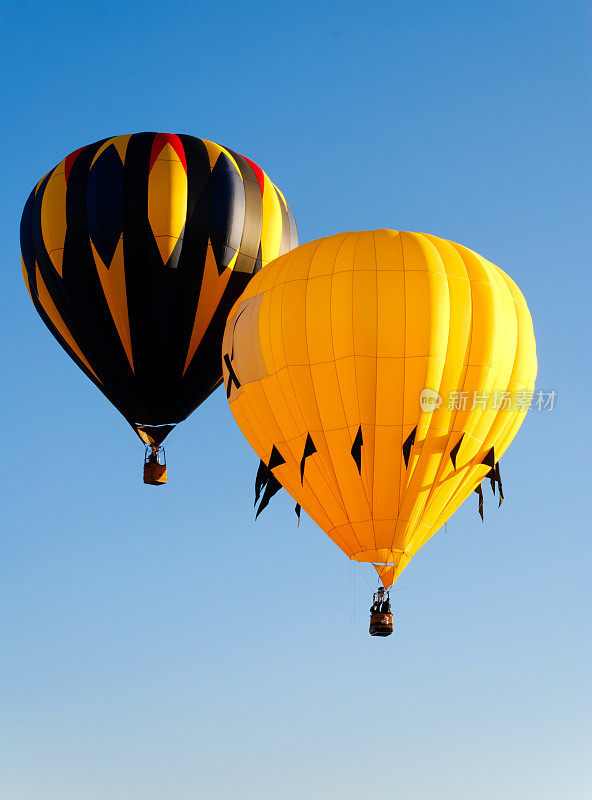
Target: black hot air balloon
[(134, 249)]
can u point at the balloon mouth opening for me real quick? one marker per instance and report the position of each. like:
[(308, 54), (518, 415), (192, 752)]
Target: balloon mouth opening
[(387, 556), (153, 435)]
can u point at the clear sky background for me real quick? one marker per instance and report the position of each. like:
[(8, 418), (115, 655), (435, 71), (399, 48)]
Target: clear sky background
[(156, 643)]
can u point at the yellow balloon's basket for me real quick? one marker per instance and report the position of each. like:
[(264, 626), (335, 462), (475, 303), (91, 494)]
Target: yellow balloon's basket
[(381, 624), (381, 616), (155, 471)]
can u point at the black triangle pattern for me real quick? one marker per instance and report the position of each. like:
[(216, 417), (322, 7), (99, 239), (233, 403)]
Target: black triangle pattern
[(104, 203), (356, 450), (408, 444)]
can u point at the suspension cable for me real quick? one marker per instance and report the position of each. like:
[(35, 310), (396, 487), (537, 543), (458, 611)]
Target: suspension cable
[(437, 564)]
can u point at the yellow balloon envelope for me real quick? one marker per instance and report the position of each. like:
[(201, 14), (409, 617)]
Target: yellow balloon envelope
[(380, 376)]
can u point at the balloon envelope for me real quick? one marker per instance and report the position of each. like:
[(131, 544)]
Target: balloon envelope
[(380, 376), (134, 249)]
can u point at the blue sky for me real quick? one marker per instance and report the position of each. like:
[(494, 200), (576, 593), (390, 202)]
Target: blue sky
[(158, 644)]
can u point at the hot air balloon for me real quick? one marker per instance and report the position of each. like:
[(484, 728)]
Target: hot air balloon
[(380, 376), (134, 250)]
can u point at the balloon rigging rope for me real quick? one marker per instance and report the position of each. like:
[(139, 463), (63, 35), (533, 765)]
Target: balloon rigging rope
[(437, 564), (357, 566), (352, 593), (126, 431), (427, 572)]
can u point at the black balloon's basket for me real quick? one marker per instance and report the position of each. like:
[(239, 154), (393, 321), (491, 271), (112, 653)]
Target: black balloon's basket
[(155, 471)]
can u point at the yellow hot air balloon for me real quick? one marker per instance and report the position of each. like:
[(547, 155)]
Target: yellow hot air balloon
[(380, 376)]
